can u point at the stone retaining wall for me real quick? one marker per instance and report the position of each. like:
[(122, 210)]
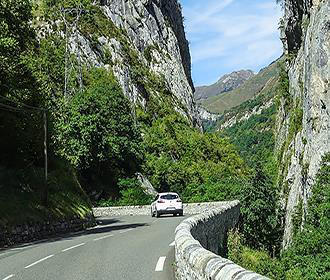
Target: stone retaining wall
[(39, 230), (200, 239), (188, 209)]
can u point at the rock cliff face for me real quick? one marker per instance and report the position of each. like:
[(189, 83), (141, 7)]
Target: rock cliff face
[(144, 43), (304, 127)]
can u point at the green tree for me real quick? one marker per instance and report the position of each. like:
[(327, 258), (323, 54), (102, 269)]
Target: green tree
[(261, 223), (21, 131), (97, 134), (182, 159)]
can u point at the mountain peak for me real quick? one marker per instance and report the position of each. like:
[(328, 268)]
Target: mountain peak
[(225, 83)]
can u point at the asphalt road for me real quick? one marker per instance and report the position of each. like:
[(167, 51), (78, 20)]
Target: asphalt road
[(119, 248)]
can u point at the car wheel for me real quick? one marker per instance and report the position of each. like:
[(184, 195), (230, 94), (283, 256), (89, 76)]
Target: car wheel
[(157, 214), (181, 213), (152, 213)]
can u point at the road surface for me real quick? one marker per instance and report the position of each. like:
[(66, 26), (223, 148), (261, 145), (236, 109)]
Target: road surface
[(119, 248)]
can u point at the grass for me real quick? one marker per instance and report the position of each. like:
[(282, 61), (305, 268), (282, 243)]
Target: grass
[(23, 202)]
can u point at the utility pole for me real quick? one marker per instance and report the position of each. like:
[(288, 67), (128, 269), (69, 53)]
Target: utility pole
[(45, 196)]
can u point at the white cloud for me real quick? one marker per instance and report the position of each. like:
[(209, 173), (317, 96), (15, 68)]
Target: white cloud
[(231, 30)]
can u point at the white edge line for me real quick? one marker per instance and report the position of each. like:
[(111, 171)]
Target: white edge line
[(103, 237), (39, 261), (160, 264), (126, 230), (10, 276), (22, 248), (75, 246), (172, 244)]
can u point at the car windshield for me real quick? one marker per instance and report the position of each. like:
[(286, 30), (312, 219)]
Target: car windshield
[(169, 196)]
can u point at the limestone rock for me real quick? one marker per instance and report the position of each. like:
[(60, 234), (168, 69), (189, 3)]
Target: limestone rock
[(309, 76)]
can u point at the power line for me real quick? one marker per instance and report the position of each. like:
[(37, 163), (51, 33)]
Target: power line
[(14, 109), (22, 104)]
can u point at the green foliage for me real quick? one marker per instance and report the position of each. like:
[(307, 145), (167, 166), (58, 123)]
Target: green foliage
[(309, 255), (254, 260), (254, 137), (284, 86), (131, 194), (21, 191), (180, 158), (295, 125), (260, 215), (16, 40), (18, 128), (97, 133)]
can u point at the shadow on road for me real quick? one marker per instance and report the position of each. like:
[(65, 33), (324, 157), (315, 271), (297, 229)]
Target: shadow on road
[(105, 225), (104, 229)]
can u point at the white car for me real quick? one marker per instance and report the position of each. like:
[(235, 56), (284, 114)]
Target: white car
[(167, 203)]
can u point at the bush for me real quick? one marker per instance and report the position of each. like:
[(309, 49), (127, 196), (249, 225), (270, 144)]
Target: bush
[(254, 260), (131, 194)]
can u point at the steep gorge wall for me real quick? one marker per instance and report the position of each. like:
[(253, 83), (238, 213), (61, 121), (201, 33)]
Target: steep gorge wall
[(147, 45), (304, 126)]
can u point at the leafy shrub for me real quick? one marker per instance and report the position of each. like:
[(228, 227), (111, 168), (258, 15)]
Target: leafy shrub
[(131, 194)]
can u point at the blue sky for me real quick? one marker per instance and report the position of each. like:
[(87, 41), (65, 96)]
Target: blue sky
[(229, 35)]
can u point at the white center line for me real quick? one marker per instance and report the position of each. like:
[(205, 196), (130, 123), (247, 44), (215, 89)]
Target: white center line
[(160, 264), (8, 277), (75, 246), (32, 264), (103, 237), (172, 244)]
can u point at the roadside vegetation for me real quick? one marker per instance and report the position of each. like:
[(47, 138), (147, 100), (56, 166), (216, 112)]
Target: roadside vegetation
[(308, 255), (96, 144)]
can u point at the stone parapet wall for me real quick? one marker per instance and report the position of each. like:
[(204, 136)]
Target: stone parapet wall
[(200, 239), (188, 209), (33, 231)]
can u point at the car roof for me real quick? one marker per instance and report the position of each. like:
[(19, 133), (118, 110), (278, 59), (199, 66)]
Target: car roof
[(164, 193)]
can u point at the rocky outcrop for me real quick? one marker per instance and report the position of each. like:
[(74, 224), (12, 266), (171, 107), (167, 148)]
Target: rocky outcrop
[(304, 118), (206, 115), (226, 83), (146, 185), (144, 44), (244, 115)]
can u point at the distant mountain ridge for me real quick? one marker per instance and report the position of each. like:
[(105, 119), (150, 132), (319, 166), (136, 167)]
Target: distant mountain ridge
[(226, 83), (249, 89)]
